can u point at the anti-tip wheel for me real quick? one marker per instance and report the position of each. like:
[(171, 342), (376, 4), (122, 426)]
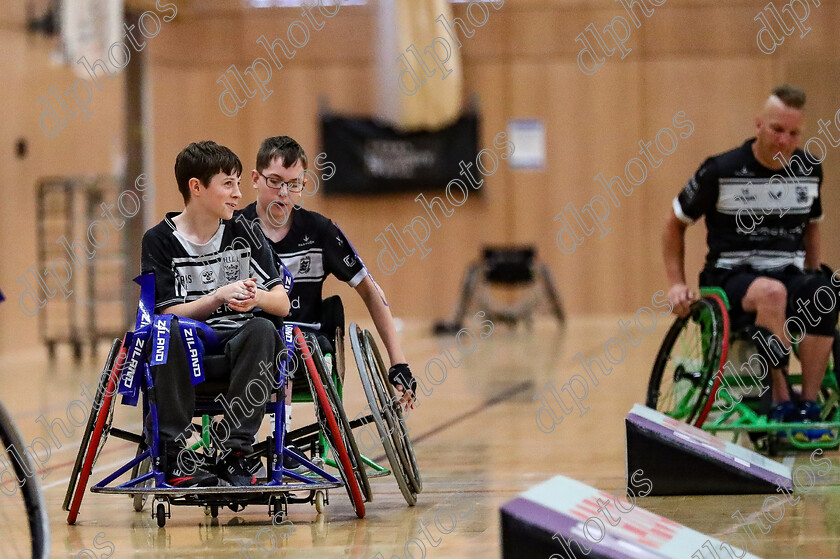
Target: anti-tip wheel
[(161, 515)]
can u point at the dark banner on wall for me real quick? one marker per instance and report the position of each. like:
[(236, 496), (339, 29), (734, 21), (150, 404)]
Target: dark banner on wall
[(372, 158)]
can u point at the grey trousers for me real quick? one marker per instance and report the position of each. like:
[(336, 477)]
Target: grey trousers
[(250, 351)]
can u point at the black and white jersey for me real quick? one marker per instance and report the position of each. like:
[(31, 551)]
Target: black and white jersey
[(313, 249), (186, 271), (754, 216)]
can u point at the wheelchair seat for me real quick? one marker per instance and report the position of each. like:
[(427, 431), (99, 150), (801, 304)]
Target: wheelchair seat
[(216, 377)]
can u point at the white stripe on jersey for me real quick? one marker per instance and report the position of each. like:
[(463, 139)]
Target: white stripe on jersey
[(768, 196), (678, 211), (199, 275), (357, 279), (305, 266), (761, 259)]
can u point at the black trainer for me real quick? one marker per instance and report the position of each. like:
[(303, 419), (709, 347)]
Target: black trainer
[(290, 463), (177, 475), (236, 470)]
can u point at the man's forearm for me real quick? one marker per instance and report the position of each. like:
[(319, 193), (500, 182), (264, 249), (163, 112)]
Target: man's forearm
[(673, 253)]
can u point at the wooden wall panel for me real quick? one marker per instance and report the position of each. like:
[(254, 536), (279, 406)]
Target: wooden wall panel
[(697, 56), (90, 147), (822, 77)]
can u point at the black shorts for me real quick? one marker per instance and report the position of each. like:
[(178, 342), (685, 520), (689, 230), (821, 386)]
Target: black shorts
[(800, 285)]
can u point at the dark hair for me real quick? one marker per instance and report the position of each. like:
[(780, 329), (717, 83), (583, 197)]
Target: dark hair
[(790, 95), (284, 147), (202, 160)]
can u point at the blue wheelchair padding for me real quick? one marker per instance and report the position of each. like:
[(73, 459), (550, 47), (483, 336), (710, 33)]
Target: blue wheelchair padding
[(156, 327), (210, 366)]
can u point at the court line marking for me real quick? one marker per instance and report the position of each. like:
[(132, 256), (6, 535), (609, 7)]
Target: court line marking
[(485, 405)]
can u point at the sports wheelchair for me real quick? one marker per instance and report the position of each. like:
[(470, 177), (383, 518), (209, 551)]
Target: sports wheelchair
[(512, 268), (704, 375), (331, 434)]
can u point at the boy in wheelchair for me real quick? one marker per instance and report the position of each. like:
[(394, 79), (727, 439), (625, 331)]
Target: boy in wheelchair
[(312, 247), (207, 269)]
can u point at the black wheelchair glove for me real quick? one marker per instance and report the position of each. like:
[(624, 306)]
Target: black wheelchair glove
[(401, 374)]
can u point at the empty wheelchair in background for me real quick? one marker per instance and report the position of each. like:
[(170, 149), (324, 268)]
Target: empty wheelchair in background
[(506, 267), (698, 378)]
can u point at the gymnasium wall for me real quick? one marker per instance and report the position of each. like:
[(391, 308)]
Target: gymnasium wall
[(691, 61), (82, 147)]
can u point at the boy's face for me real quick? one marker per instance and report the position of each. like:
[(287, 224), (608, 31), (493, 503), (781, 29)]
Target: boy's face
[(282, 198), (220, 197)]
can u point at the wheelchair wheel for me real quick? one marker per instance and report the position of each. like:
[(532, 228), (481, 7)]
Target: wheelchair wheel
[(396, 416), (343, 423), (99, 424), (379, 405), (687, 370), (91, 422), (140, 469), (26, 510), (323, 410)]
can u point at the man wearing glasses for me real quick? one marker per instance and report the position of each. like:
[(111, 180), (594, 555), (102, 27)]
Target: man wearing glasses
[(312, 247)]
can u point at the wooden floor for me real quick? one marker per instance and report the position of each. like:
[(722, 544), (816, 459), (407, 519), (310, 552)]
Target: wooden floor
[(475, 433)]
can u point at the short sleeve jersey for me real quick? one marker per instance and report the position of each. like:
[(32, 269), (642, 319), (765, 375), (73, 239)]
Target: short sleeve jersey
[(313, 249), (186, 271), (755, 216)]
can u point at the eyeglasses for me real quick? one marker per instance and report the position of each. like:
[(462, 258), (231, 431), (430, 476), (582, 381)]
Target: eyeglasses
[(276, 183)]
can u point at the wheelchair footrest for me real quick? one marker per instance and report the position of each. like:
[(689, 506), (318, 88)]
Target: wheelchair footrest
[(267, 488)]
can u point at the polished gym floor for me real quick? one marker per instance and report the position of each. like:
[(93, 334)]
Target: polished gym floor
[(477, 444)]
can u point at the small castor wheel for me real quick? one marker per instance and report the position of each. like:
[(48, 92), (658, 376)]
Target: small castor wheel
[(161, 515), (773, 444), (319, 501), (214, 511)]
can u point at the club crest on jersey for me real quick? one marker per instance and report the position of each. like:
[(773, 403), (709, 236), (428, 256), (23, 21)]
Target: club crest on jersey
[(305, 265), (801, 194), (207, 276), (350, 260), (743, 172), (306, 241), (232, 271)]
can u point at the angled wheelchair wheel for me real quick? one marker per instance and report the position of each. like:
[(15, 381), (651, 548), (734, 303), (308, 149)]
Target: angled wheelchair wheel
[(380, 408), (324, 412), (140, 469), (395, 414), (23, 502), (99, 425), (343, 423), (91, 422), (689, 365)]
